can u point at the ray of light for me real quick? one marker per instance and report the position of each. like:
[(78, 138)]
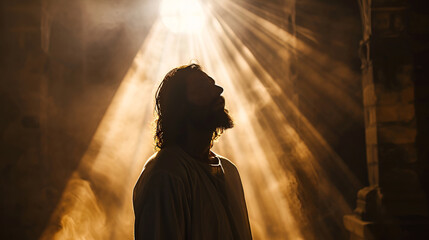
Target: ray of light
[(274, 162), (182, 15)]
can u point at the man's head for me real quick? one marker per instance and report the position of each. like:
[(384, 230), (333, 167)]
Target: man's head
[(189, 97)]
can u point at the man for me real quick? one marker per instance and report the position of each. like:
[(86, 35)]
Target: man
[(185, 190)]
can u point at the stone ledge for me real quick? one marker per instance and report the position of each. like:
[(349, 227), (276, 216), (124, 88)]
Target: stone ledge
[(358, 229), (410, 228)]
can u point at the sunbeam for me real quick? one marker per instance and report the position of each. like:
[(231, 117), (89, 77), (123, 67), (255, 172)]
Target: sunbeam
[(182, 15)]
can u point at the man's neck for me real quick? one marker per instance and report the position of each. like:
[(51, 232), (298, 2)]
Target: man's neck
[(197, 143)]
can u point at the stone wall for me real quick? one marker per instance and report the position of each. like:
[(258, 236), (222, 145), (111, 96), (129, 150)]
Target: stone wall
[(395, 204), (61, 63)]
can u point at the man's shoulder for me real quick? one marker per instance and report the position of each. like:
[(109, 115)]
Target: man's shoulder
[(166, 161), (231, 171), (161, 166), (225, 161), (227, 164), (164, 168)]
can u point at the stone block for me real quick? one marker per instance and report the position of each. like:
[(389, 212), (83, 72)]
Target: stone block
[(371, 135), (405, 75), (406, 112), (411, 152), (396, 134), (398, 22), (397, 155), (372, 154), (381, 21), (22, 17), (372, 163), (389, 156), (387, 97), (367, 75), (373, 174), (395, 113), (369, 98), (370, 116), (359, 230), (407, 95), (368, 199), (387, 113)]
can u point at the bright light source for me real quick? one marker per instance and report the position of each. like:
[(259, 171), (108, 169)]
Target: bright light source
[(182, 16)]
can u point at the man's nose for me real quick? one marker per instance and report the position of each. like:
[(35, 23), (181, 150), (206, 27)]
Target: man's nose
[(219, 89)]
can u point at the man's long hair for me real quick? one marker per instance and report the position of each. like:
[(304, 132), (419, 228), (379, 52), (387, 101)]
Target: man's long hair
[(171, 107)]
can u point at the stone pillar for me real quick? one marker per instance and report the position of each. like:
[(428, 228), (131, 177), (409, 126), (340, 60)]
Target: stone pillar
[(394, 206)]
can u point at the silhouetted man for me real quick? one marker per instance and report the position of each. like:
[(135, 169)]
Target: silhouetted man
[(185, 190)]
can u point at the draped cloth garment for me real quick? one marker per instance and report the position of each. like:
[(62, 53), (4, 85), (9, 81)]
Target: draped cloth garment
[(179, 197)]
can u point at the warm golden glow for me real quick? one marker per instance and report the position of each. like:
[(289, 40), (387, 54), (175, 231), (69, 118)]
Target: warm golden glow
[(182, 15), (268, 151)]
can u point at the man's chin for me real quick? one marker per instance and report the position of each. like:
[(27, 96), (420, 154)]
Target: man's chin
[(223, 120), (218, 119)]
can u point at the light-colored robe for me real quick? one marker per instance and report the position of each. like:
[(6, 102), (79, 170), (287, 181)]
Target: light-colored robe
[(178, 197)]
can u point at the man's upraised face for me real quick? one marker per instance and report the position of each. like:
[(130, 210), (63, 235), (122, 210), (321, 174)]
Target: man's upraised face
[(205, 104)]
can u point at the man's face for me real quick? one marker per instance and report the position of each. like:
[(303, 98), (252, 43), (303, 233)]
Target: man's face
[(205, 103)]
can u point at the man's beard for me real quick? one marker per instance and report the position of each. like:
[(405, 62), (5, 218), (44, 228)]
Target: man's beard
[(209, 118)]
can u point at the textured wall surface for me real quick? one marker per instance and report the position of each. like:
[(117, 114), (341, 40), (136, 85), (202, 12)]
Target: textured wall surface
[(60, 66)]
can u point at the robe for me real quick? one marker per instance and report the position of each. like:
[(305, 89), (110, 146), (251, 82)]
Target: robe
[(179, 197)]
